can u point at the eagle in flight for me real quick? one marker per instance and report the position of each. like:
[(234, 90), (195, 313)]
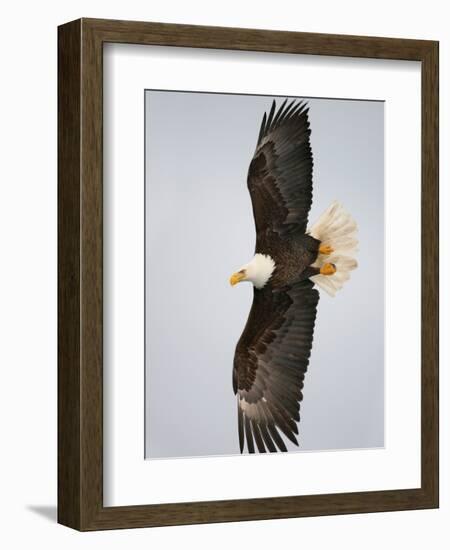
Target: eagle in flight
[(273, 352)]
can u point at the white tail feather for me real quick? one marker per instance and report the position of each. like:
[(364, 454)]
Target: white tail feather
[(337, 229)]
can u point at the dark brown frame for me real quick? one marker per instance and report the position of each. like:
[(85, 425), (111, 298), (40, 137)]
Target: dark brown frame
[(80, 273)]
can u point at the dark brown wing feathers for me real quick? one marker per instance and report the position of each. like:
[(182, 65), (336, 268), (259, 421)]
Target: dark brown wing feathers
[(280, 173), (270, 362)]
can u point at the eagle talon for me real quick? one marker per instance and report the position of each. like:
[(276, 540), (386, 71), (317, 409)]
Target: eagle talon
[(325, 249), (328, 269)]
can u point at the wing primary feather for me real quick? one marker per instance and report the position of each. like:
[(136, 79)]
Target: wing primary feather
[(296, 111), (277, 438), (240, 427), (248, 435), (262, 128), (267, 439), (279, 113), (286, 425), (303, 108), (287, 111), (257, 436), (272, 112), (273, 431), (270, 426)]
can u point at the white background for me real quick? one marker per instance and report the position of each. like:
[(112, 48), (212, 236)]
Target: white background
[(28, 275)]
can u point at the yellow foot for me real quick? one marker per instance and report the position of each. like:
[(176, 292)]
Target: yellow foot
[(325, 249), (328, 269)]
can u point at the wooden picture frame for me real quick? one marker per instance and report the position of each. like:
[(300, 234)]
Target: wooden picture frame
[(80, 272)]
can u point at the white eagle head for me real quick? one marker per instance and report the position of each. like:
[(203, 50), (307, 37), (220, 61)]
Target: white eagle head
[(258, 271)]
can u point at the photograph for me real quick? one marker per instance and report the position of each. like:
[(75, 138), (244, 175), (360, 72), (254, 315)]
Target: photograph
[(285, 194), (226, 254)]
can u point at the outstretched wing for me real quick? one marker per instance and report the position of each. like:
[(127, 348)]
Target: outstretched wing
[(280, 173), (270, 362)]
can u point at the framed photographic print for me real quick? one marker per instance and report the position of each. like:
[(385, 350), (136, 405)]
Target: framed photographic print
[(248, 274)]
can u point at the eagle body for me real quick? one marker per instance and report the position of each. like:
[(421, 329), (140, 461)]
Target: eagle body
[(273, 352), (292, 256)]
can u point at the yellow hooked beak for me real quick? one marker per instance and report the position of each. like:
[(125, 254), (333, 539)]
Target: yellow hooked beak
[(237, 277)]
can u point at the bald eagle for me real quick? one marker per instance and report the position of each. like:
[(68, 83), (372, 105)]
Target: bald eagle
[(273, 352)]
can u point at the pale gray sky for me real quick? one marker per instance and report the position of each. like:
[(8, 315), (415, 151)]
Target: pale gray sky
[(199, 229)]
